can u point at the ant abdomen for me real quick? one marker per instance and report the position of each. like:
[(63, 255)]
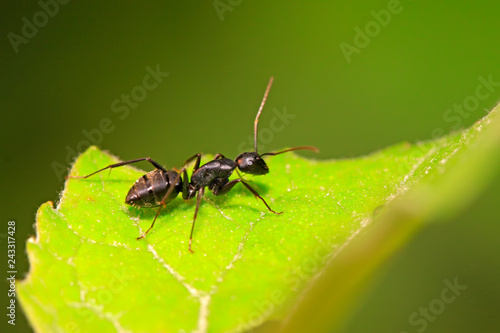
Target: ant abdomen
[(150, 189)]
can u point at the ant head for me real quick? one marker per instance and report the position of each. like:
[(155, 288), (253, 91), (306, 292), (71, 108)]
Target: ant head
[(251, 163)]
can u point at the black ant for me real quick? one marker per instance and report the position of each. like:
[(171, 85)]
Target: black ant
[(160, 186)]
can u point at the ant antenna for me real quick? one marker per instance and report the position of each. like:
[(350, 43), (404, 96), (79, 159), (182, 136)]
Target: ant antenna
[(256, 122), (314, 149)]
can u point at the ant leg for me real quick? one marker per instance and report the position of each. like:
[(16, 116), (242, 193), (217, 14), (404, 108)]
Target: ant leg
[(201, 191), (152, 224), (228, 186), (162, 202), (183, 171), (185, 183), (196, 164), (219, 156), (116, 165), (239, 174)]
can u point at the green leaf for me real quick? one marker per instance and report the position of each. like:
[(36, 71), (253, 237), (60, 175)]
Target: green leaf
[(453, 174), (88, 271)]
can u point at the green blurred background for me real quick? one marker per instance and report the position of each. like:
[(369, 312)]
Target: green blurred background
[(397, 87)]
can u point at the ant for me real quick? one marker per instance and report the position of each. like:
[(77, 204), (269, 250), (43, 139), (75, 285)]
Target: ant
[(160, 186)]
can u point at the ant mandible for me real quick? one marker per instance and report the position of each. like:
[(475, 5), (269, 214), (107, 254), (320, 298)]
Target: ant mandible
[(160, 186)]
